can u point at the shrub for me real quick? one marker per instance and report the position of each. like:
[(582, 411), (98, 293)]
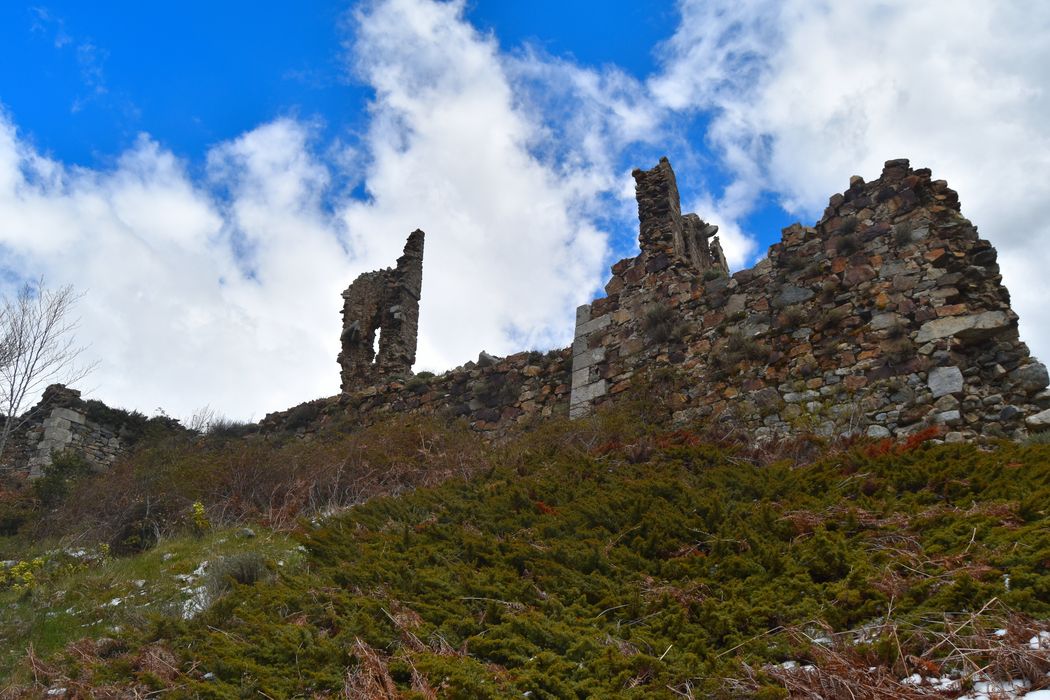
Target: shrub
[(793, 262), (65, 470), (302, 416), (1038, 439), (848, 226), (847, 244), (151, 491), (661, 325), (419, 382), (224, 428), (740, 346), (791, 317), (902, 234), (497, 390), (139, 529), (242, 568), (829, 290), (898, 350)]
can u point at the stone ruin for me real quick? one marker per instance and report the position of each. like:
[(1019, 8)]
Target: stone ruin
[(62, 421), (384, 302), (885, 317), (673, 237)]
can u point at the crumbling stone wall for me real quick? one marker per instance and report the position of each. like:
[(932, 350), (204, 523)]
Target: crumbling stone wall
[(61, 422), (492, 395), (387, 302), (887, 316)]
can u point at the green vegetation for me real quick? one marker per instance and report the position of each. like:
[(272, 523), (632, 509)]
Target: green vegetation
[(55, 597), (602, 558)]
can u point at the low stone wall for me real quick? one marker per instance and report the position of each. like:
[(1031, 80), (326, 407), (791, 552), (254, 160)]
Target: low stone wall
[(885, 317), (492, 394), (61, 422)]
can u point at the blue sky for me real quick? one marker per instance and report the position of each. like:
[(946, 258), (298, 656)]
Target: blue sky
[(91, 79), (85, 79), (212, 174)]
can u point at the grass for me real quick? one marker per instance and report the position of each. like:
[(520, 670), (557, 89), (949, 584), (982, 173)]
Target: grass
[(603, 558), (82, 591)]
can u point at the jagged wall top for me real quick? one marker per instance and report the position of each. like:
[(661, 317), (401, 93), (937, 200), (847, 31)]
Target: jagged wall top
[(384, 302), (887, 316), (663, 229)]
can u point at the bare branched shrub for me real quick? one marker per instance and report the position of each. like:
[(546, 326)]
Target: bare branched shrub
[(37, 348), (264, 479)]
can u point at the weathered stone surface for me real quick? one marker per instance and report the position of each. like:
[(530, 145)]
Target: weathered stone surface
[(587, 358), (791, 294), (878, 432), (1031, 378), (666, 235), (1039, 422), (945, 380), (881, 322), (68, 414), (975, 327), (59, 423), (387, 302)]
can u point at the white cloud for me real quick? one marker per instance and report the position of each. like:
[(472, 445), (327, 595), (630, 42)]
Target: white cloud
[(170, 311), (509, 251), (225, 290), (806, 94)]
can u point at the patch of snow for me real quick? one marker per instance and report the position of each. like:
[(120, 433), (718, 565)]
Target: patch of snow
[(997, 690), (196, 603), (1040, 641)]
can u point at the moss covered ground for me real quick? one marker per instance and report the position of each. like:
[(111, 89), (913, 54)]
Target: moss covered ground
[(582, 564)]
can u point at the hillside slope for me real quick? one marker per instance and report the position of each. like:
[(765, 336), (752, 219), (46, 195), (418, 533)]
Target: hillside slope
[(604, 558)]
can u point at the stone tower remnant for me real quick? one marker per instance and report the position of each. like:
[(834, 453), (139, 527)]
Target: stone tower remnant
[(384, 302), (676, 250), (666, 234)]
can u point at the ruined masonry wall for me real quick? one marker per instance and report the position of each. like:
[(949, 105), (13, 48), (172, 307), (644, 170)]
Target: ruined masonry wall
[(384, 302), (492, 395), (885, 317), (58, 423)]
